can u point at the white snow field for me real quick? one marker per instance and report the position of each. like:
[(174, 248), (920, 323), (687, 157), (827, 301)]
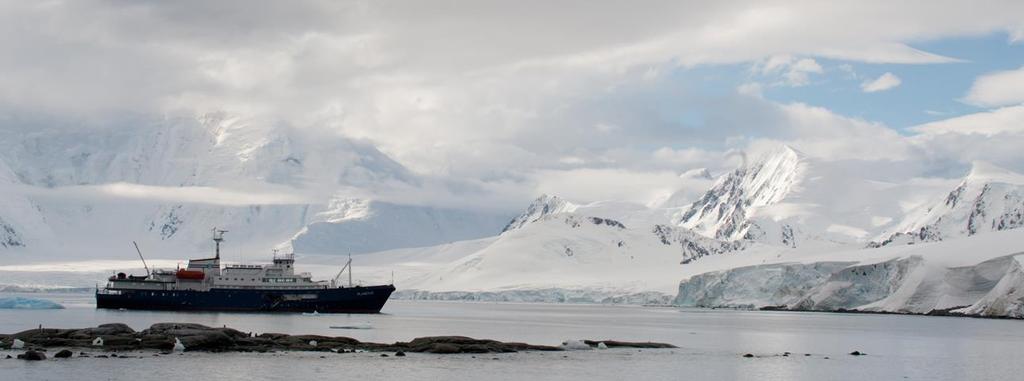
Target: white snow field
[(85, 194)]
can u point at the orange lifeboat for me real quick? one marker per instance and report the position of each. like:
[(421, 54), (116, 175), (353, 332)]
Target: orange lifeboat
[(190, 274)]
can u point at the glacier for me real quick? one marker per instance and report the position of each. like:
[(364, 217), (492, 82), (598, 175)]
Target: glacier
[(975, 276)]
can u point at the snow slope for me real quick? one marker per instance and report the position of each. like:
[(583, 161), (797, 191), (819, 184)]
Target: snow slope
[(988, 199), (560, 251), (75, 193), (361, 226)]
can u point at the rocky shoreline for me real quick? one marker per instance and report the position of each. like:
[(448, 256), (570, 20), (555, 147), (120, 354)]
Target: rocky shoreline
[(180, 337)]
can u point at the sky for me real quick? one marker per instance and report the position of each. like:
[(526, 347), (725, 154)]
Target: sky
[(586, 99)]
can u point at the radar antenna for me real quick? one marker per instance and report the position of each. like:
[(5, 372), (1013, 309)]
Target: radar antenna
[(218, 237)]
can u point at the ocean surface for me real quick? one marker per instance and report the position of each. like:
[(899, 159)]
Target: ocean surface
[(712, 344)]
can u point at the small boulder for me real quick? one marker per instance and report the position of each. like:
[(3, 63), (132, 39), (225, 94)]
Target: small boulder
[(63, 354), (399, 354), (857, 353), (748, 355), (383, 355), (32, 356)]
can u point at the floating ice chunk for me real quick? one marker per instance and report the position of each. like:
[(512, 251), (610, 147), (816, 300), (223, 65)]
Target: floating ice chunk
[(17, 344), (575, 345), (20, 303), (312, 343), (364, 325), (314, 313), (178, 346), (97, 342), (601, 345)]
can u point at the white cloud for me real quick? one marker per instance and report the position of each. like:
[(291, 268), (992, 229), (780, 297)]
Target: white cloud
[(590, 185), (884, 82), (486, 93), (988, 123), (792, 71), (997, 89), (1016, 35), (751, 89), (799, 73), (119, 192)]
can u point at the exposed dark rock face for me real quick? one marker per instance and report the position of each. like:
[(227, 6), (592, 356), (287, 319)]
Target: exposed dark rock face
[(607, 221), (32, 356), (692, 245), (197, 337)]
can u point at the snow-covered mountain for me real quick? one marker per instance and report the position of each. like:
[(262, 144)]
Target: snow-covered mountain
[(74, 192), (20, 222), (543, 206), (557, 250), (988, 199), (361, 226), (729, 210), (783, 230), (789, 199)]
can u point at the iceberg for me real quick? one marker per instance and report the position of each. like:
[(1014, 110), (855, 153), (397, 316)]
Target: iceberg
[(20, 303), (575, 345)]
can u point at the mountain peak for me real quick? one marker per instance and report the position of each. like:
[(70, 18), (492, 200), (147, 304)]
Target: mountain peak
[(985, 172), (541, 206), (782, 153), (725, 211), (697, 173)]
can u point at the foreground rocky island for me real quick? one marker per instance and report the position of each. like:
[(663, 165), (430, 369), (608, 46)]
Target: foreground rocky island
[(179, 337)]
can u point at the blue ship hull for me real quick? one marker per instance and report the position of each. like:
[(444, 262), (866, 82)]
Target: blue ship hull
[(328, 300)]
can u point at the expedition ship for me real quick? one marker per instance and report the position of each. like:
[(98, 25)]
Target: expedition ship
[(205, 286)]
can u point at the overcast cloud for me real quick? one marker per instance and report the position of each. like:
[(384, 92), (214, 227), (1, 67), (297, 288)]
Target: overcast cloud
[(516, 97)]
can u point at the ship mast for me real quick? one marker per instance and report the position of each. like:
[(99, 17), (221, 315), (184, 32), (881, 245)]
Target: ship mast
[(348, 266), (218, 237), (140, 257)]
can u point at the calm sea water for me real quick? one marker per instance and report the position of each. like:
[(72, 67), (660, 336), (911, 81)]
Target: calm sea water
[(711, 343)]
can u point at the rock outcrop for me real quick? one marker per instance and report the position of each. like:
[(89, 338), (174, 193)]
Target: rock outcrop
[(197, 337)]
